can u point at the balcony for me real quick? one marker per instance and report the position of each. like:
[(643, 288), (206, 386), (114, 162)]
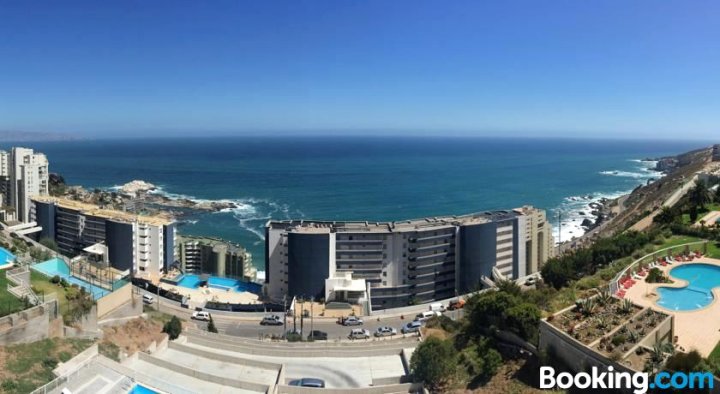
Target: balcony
[(431, 237), (359, 241)]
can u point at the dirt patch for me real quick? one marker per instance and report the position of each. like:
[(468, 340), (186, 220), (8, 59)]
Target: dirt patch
[(509, 379), (435, 332), (135, 335)]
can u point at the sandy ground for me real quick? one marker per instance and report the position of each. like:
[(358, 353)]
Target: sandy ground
[(135, 335), (710, 219), (699, 329)]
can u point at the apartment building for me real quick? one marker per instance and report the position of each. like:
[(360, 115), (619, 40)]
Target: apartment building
[(23, 174), (217, 257), (145, 245), (404, 262)]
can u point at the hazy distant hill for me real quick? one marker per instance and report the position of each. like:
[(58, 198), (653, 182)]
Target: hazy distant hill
[(30, 136)]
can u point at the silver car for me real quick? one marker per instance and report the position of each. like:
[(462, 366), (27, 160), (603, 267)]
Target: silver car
[(359, 333), (413, 326), (352, 321), (385, 331)]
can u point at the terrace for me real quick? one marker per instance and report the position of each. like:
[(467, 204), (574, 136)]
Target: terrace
[(615, 329)]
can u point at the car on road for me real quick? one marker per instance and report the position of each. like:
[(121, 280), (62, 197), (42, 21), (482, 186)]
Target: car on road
[(359, 333), (308, 382), (457, 304), (204, 316), (352, 321), (413, 326), (427, 315), (148, 299), (531, 281), (437, 307), (318, 335), (385, 331), (272, 320)]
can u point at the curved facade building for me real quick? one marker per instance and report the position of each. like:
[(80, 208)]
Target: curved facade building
[(405, 262)]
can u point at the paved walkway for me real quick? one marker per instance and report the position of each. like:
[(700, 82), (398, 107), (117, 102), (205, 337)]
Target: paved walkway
[(699, 329)]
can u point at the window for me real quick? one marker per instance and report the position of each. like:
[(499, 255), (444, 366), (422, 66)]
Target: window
[(384, 273), (384, 283)]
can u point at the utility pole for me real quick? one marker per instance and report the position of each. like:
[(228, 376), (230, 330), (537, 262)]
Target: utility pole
[(302, 317), (285, 316), (312, 335)]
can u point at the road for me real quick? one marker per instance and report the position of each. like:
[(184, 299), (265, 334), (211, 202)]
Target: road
[(247, 325), (335, 331)]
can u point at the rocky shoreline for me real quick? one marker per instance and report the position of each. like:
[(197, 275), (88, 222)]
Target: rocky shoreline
[(138, 193)]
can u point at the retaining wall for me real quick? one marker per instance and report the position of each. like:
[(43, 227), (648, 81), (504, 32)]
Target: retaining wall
[(30, 325)]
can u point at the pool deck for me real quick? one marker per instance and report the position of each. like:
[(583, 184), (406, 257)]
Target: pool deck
[(697, 329), (201, 295)]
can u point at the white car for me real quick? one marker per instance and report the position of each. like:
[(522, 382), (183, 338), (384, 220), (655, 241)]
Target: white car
[(413, 326), (422, 317), (352, 321), (385, 331), (204, 316), (359, 333)]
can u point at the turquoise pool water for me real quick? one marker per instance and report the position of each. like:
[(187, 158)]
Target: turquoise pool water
[(701, 278), (140, 389), (58, 267), (6, 256), (193, 281)]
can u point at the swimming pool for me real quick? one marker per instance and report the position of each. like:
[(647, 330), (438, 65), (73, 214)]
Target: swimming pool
[(701, 278), (192, 281), (58, 267), (6, 256), (140, 389)]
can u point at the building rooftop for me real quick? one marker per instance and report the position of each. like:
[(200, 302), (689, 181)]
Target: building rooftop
[(94, 210), (424, 224)]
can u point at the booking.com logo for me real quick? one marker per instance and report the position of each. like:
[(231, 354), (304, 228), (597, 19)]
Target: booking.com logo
[(639, 382)]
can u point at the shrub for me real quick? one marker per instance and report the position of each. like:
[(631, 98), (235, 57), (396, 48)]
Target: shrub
[(55, 279), (434, 363), (293, 337), (173, 328), (618, 340)]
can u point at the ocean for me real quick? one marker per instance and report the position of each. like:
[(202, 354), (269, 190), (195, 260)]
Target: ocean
[(363, 178)]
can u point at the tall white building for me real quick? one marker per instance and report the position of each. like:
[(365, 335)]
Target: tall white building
[(24, 175)]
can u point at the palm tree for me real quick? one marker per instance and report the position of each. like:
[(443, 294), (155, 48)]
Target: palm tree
[(700, 195)]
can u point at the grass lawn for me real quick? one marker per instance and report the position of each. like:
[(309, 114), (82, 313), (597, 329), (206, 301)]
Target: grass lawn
[(41, 284), (701, 213), (29, 366), (713, 249), (8, 303), (715, 354)]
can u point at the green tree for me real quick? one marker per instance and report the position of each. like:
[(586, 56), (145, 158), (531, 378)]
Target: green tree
[(700, 195), (666, 215), (173, 328), (523, 320), (211, 326), (693, 213), (480, 361), (434, 363), (49, 243)]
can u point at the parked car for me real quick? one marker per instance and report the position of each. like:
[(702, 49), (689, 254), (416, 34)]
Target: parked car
[(413, 326), (308, 382), (427, 315), (272, 320), (318, 335), (457, 304), (385, 331), (148, 299), (352, 321), (204, 316), (437, 307), (359, 333), (531, 281)]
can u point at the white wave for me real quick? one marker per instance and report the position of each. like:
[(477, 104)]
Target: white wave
[(626, 174), (573, 211)]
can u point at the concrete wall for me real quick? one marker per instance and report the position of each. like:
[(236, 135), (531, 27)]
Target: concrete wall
[(202, 375), (394, 388), (76, 362), (30, 325), (114, 300), (575, 355)]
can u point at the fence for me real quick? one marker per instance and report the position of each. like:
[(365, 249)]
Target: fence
[(614, 285)]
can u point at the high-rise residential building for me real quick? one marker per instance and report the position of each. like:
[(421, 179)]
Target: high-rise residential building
[(205, 255), (144, 245), (395, 264), (24, 174)]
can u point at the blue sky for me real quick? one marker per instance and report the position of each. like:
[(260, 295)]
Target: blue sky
[(525, 68)]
